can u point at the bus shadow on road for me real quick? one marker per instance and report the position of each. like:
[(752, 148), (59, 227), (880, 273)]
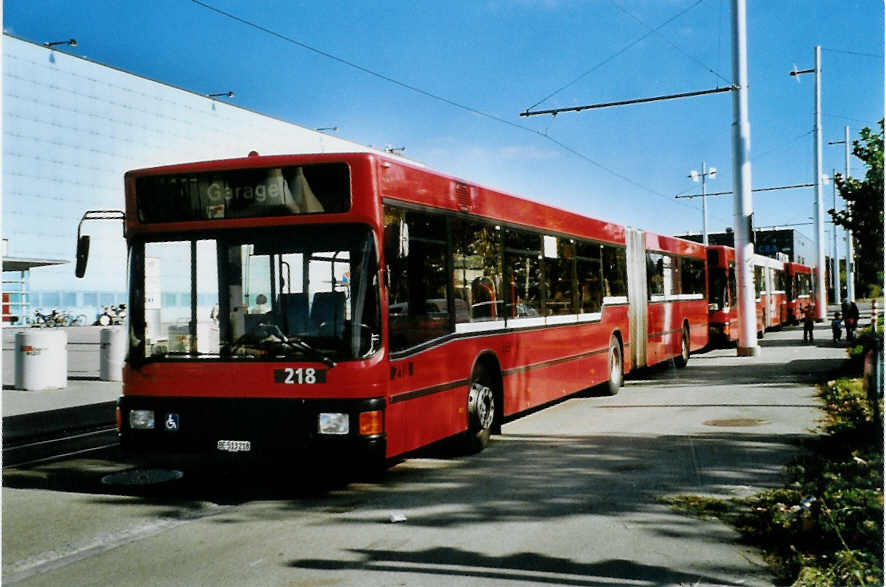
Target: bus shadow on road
[(100, 474), (591, 481), (527, 567), (790, 373)]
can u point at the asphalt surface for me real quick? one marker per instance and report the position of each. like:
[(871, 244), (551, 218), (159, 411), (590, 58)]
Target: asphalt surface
[(569, 495)]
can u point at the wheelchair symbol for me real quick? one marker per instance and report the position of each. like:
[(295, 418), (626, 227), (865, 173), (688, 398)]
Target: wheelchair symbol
[(171, 422)]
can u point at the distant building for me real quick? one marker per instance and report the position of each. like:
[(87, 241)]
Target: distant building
[(769, 242), (71, 128)]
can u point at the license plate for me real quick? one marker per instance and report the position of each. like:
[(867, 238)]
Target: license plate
[(234, 445)]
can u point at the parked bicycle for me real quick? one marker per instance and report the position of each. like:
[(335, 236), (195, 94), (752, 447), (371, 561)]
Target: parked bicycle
[(56, 318), (111, 316)]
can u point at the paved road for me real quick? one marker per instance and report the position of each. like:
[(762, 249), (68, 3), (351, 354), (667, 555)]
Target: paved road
[(565, 496)]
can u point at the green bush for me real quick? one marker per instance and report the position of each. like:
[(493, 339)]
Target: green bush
[(826, 526)]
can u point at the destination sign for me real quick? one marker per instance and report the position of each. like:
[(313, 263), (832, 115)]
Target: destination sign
[(244, 193)]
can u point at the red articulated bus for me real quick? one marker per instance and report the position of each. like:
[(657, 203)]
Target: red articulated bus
[(799, 281), (770, 292), (356, 305), (781, 290), (723, 295)]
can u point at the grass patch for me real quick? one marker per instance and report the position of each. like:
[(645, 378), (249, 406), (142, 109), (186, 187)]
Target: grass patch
[(826, 526)]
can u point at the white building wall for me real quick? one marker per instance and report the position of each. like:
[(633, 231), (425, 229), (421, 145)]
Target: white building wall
[(73, 127)]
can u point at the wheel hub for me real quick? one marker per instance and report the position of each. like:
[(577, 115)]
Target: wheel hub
[(481, 405)]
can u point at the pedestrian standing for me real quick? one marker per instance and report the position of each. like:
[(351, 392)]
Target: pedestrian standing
[(837, 327), (808, 323), (851, 320)]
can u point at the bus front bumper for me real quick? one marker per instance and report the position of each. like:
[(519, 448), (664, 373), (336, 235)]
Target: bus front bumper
[(205, 430)]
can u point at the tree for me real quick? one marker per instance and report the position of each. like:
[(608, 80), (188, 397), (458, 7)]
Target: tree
[(864, 211)]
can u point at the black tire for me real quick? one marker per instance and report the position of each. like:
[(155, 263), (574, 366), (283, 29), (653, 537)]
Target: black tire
[(683, 358), (481, 410), (615, 367)]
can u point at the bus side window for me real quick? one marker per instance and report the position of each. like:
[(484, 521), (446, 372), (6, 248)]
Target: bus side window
[(476, 268), (418, 306), (590, 277), (655, 274), (614, 271), (522, 251), (692, 273), (558, 274)]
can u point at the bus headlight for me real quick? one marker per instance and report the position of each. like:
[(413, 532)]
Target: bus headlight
[(333, 423), (141, 419)]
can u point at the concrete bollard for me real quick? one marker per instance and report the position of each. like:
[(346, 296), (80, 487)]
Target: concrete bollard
[(41, 359), (113, 353)]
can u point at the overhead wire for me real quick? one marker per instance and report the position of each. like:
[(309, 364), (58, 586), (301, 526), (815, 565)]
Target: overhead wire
[(858, 53), (616, 54), (437, 97), (453, 103), (671, 43)]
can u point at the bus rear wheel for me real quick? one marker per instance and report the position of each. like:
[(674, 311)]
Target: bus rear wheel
[(683, 358), (481, 410), (616, 367)]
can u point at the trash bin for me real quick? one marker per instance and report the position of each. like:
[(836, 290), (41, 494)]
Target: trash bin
[(41, 359), (113, 353)]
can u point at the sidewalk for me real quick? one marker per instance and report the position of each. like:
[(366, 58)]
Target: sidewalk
[(77, 393)]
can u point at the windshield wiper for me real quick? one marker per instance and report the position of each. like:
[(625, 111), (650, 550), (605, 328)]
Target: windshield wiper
[(270, 335), (299, 344)]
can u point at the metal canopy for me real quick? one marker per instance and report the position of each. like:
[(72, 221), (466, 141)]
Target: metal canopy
[(25, 264)]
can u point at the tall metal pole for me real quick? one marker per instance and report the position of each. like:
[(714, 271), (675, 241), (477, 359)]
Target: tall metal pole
[(704, 202), (836, 257), (741, 174), (850, 246), (821, 299)]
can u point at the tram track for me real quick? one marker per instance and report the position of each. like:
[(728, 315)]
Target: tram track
[(40, 437), (39, 451)]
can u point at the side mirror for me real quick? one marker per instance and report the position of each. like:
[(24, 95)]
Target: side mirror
[(82, 255)]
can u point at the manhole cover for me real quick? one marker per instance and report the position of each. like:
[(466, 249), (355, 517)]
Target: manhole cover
[(142, 477), (735, 422)]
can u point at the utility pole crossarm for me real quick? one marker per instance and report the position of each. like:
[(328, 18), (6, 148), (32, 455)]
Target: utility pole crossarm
[(729, 193), (556, 111)]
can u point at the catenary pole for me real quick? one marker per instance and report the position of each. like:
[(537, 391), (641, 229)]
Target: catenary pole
[(836, 270), (704, 202), (850, 246), (741, 174), (821, 300)]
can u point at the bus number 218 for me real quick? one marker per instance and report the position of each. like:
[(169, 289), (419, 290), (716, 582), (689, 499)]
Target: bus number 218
[(300, 376)]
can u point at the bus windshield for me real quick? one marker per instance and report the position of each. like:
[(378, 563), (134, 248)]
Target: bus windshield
[(302, 293)]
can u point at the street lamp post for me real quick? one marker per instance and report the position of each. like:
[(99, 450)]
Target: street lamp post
[(694, 175)]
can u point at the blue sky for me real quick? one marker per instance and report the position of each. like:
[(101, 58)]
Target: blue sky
[(496, 58)]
